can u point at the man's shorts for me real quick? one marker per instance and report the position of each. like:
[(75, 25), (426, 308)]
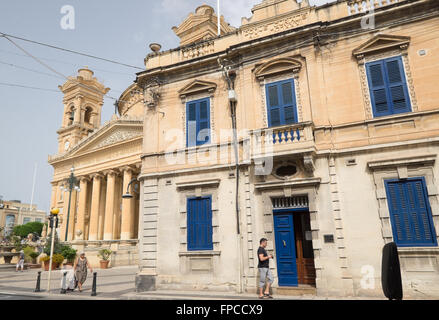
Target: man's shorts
[(20, 263), (265, 274)]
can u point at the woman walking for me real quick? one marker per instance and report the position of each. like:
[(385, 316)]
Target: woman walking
[(80, 269)]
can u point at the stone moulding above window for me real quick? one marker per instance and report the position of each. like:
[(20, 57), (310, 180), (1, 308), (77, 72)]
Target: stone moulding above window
[(196, 87), (381, 43), (198, 184), (418, 160), (277, 66)]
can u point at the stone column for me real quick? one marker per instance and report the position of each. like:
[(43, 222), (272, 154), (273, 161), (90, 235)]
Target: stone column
[(95, 204), (63, 222), (127, 206), (109, 205), (54, 199), (80, 221), (71, 230)]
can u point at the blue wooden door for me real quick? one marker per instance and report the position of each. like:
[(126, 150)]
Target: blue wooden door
[(285, 250)]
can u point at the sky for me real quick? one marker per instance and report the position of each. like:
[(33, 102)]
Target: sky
[(116, 30)]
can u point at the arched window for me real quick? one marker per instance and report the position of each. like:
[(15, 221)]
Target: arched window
[(87, 116), (71, 115)]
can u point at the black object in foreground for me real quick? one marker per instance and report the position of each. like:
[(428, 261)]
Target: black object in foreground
[(37, 288), (63, 290), (391, 272), (93, 290)]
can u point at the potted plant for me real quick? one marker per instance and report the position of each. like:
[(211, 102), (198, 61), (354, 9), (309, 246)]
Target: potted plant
[(46, 260), (34, 255), (70, 254), (57, 259), (104, 254)]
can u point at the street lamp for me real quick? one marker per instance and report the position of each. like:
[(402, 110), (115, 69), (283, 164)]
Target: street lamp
[(52, 219), (71, 185), (128, 195)]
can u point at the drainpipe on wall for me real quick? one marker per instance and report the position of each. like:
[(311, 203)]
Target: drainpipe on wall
[(230, 76)]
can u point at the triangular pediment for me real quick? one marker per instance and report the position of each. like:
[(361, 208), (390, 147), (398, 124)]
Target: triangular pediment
[(197, 86), (112, 133), (380, 43)]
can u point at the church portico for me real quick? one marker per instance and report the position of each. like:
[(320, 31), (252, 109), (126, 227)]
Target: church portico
[(105, 159)]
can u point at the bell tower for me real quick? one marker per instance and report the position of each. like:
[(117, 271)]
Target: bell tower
[(83, 100)]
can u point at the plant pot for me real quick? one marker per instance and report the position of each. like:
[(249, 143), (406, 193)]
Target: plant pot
[(104, 264), (68, 264), (46, 265)]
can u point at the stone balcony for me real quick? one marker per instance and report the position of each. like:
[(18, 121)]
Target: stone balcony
[(290, 139), (361, 6)]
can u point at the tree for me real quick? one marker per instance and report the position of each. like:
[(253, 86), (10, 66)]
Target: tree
[(31, 227), (57, 246)]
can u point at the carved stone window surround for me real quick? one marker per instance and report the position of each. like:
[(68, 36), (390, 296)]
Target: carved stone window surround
[(187, 95), (403, 168), (186, 191), (270, 72), (366, 53)]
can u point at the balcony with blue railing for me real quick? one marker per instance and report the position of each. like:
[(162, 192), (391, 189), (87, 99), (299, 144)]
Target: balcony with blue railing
[(289, 139)]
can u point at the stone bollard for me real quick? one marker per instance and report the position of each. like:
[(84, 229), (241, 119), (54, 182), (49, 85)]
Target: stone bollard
[(93, 289), (63, 290), (37, 288)]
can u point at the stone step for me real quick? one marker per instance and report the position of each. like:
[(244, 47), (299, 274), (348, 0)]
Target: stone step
[(10, 266), (301, 290)]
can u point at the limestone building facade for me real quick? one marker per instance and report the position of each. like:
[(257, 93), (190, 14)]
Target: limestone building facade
[(336, 119), (14, 213)]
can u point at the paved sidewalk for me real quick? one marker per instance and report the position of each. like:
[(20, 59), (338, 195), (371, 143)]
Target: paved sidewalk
[(117, 284), (112, 283)]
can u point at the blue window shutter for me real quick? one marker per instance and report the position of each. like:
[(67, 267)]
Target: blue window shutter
[(199, 224), (388, 87), (203, 132), (410, 213), (281, 103), (198, 123), (397, 85), (378, 92), (191, 124)]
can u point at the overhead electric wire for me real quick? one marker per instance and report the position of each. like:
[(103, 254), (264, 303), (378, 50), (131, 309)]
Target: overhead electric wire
[(70, 51), (67, 63), (27, 87), (55, 71), (30, 70)]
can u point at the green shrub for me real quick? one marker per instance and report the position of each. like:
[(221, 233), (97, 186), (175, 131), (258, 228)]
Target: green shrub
[(45, 258), (27, 252), (57, 246), (23, 230), (69, 253), (105, 254), (58, 258), (34, 255)]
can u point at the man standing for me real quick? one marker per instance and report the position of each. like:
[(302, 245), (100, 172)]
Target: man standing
[(264, 270)]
